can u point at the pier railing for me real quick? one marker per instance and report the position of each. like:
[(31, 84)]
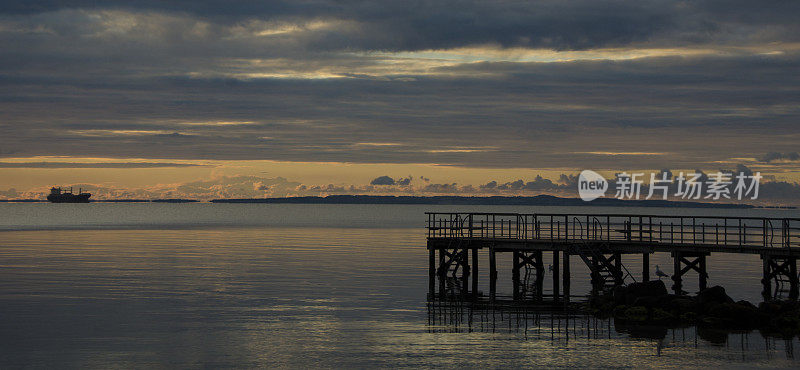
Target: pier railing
[(718, 231)]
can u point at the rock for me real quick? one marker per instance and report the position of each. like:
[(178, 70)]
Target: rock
[(660, 301), (619, 311), (602, 304), (666, 301), (778, 307), (713, 296), (683, 305), (786, 324), (748, 304), (689, 317), (649, 301), (619, 294), (636, 313), (769, 307), (661, 316), (627, 295), (734, 315)]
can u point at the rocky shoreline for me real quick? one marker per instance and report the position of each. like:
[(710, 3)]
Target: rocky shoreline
[(649, 303)]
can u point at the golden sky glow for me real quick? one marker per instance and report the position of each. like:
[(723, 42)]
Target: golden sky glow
[(301, 178)]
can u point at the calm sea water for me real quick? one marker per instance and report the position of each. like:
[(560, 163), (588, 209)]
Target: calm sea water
[(253, 285)]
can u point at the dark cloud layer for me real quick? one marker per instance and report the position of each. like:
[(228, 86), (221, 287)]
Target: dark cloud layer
[(527, 115), (415, 25), (320, 80)]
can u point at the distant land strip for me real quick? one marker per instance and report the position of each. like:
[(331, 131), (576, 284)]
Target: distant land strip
[(540, 200)]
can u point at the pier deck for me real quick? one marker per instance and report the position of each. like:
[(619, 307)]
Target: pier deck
[(600, 240)]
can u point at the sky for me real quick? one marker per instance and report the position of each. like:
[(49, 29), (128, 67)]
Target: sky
[(240, 98)]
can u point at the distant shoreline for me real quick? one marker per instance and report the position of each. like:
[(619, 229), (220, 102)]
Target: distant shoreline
[(539, 200)]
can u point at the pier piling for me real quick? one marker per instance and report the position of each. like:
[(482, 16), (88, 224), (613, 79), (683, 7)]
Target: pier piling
[(684, 262), (492, 274), (565, 274), (782, 273), (555, 276), (475, 274)]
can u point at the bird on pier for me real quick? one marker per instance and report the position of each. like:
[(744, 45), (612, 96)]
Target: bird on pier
[(660, 273)]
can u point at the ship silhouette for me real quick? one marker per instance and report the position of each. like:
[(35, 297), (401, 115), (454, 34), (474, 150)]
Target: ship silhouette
[(62, 196)]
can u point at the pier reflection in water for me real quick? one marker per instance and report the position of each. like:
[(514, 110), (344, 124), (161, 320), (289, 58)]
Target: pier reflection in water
[(562, 325)]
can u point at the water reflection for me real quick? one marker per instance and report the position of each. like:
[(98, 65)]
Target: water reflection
[(560, 325), (264, 297)]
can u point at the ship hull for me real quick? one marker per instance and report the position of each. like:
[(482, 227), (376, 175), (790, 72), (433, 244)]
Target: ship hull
[(69, 198)]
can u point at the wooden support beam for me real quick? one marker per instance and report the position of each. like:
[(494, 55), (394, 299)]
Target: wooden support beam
[(618, 276), (677, 285), (465, 272), (645, 266), (515, 274), (566, 277), (431, 273), (442, 272), (555, 276), (766, 279), (539, 266), (795, 284), (474, 273), (703, 274), (682, 265), (780, 271), (492, 274), (689, 265), (531, 284)]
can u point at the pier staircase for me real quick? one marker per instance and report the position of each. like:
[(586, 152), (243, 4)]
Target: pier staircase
[(454, 268), (531, 286), (607, 270)]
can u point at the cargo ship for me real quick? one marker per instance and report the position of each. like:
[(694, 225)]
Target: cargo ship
[(62, 196)]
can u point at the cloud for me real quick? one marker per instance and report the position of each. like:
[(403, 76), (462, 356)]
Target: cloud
[(539, 184), (451, 188), (9, 194), (398, 25), (382, 180), (312, 120), (232, 187), (471, 83), (405, 181), (778, 157)]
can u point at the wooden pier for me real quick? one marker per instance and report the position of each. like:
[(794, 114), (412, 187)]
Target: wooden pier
[(601, 241)]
